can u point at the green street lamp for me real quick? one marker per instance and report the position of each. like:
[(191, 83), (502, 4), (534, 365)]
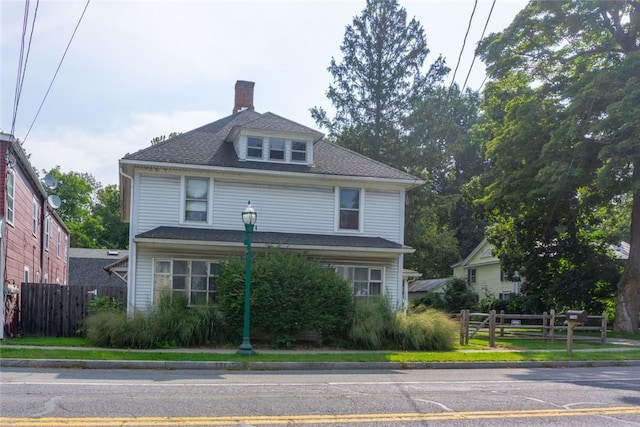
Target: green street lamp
[(249, 217)]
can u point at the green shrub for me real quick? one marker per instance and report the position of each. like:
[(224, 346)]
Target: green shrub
[(171, 324), (289, 294), (458, 295), (371, 323), (428, 330), (431, 299), (104, 304)]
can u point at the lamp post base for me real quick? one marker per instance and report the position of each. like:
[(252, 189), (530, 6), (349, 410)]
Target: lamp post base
[(245, 348)]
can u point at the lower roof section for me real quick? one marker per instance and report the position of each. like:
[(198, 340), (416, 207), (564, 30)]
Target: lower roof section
[(309, 242)]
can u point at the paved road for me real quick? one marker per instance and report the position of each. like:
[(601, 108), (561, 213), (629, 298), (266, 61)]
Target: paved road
[(608, 396)]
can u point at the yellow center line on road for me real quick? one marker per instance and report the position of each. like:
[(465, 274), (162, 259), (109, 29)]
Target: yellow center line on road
[(310, 419)]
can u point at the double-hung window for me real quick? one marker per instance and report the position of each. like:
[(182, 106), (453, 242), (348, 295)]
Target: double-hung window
[(298, 151), (366, 281), (276, 149), (195, 279), (196, 203), (349, 210), (59, 243), (471, 276), (11, 195), (47, 232), (254, 147), (34, 216)]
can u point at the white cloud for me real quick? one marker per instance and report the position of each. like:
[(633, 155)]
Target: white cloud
[(77, 150)]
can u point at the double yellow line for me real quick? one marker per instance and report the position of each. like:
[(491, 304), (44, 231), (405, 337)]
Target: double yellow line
[(310, 419)]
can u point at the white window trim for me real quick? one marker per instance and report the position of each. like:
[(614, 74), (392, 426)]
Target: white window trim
[(183, 200), (369, 268), (336, 227), (171, 261), (266, 150), (35, 209), (47, 233), (26, 274), (59, 243), (11, 198)]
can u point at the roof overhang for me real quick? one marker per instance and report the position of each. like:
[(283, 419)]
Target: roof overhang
[(233, 241)]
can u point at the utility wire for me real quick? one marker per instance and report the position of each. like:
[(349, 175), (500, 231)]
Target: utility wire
[(474, 54), (16, 95), (57, 69), (453, 80), (24, 69)]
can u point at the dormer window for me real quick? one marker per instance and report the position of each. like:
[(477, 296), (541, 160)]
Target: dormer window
[(276, 149), (254, 148), (298, 151)]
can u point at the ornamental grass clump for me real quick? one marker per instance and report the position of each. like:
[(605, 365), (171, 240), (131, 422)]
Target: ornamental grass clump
[(371, 323), (171, 324), (429, 330)]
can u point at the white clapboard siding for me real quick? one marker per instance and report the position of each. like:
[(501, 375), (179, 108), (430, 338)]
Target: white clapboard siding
[(285, 209), (382, 214), (158, 202)]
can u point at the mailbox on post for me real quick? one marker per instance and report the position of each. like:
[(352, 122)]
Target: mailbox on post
[(574, 318), (578, 316)]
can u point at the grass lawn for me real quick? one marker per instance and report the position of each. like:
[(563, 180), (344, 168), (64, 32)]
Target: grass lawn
[(476, 351)]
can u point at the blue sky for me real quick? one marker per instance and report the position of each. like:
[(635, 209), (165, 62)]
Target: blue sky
[(139, 69)]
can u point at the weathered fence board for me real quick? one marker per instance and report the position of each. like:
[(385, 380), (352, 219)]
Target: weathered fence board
[(53, 310)]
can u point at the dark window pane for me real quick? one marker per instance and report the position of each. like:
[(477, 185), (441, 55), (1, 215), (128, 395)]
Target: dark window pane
[(349, 220), (349, 198)]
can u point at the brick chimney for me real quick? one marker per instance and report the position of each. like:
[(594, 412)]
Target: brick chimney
[(244, 96)]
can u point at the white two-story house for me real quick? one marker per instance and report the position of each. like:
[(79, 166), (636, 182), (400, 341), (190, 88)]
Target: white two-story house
[(184, 196)]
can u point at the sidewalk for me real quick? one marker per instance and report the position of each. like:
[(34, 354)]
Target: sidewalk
[(248, 364)]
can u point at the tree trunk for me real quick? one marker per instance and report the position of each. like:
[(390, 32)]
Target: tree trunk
[(628, 304)]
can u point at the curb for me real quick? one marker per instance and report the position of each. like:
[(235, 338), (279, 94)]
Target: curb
[(296, 366)]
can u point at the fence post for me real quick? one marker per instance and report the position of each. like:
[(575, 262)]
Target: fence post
[(492, 328), (545, 328), (552, 323), (501, 323), (462, 327), (466, 340), (603, 336)]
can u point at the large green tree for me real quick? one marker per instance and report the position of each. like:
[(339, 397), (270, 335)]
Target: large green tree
[(89, 211), (377, 80), (564, 135)]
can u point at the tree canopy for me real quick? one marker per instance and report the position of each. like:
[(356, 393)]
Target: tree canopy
[(90, 211), (561, 131)]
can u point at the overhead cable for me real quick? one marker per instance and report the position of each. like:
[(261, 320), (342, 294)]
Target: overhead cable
[(453, 80), (474, 54), (57, 69)]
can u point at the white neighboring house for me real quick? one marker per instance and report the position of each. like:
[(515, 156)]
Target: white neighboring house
[(483, 271), (183, 198)]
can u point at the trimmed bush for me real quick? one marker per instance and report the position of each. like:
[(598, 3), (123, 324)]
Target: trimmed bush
[(289, 294)]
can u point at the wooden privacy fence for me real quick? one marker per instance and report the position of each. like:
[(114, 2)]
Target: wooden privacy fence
[(546, 326), (53, 310)]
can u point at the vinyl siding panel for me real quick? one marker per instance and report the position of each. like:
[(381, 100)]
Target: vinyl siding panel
[(382, 214), (159, 202), (286, 209)]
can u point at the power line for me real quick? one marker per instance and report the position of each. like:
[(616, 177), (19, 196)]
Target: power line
[(16, 95), (474, 54), (57, 69), (453, 80)]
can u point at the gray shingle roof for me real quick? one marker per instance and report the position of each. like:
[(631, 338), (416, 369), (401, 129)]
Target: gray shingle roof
[(208, 146), (269, 238), (86, 267)]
